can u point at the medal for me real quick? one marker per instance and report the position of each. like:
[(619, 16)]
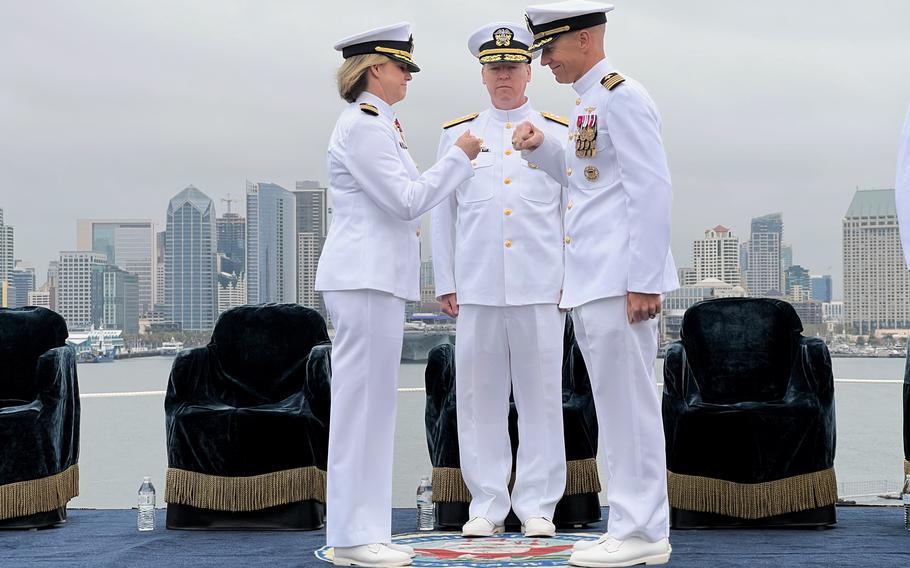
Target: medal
[(586, 136), (401, 141)]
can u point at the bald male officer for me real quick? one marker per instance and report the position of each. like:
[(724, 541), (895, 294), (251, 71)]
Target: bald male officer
[(618, 263), (497, 251)]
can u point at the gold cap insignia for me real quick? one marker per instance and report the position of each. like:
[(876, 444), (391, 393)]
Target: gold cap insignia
[(503, 37)]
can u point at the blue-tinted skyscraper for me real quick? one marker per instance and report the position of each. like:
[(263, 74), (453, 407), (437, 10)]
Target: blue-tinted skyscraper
[(822, 288), (190, 260), (271, 244)]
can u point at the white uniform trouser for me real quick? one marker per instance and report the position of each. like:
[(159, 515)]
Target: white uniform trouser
[(620, 361), (366, 354), (498, 350)]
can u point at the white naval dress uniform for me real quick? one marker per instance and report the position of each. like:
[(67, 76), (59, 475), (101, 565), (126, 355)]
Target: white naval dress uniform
[(369, 266), (497, 243), (902, 191), (617, 234)]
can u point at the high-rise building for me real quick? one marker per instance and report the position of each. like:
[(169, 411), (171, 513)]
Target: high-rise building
[(7, 256), (53, 271), (312, 226), (764, 275), (786, 261), (190, 260), (231, 291), (79, 292), (120, 292), (686, 275), (822, 288), (40, 298), (160, 249), (271, 244), (717, 256), (876, 281), (428, 301), (797, 283), (127, 243), (23, 280), (231, 229), (744, 264)]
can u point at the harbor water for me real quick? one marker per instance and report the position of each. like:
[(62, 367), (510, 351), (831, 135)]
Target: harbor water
[(123, 432)]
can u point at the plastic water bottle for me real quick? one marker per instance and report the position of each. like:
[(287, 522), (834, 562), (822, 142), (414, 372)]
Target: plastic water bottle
[(425, 505), (905, 494), (146, 505)]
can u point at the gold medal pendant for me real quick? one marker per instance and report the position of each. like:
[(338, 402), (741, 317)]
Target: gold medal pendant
[(591, 173)]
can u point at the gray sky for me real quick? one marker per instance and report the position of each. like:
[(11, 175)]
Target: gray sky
[(108, 109)]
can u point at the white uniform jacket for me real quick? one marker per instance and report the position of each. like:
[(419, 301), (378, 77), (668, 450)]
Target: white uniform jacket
[(617, 220), (902, 192), (377, 195), (498, 240)]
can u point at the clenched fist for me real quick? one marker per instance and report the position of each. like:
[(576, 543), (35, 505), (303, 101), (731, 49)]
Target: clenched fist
[(470, 144), (527, 137)]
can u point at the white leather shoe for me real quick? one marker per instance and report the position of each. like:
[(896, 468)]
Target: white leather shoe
[(378, 555), (612, 553), (539, 527), (402, 548), (586, 544), (480, 526)]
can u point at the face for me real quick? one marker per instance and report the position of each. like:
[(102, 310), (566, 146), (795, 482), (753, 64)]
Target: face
[(562, 57), (506, 82), (393, 80)]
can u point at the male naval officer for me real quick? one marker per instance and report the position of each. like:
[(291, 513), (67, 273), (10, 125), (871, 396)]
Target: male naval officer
[(617, 265), (498, 257)]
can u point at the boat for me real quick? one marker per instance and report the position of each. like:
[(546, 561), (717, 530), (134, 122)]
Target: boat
[(171, 348)]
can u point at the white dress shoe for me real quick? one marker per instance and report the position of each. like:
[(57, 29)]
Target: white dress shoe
[(609, 552), (586, 544), (480, 526), (402, 548), (539, 527), (378, 555)]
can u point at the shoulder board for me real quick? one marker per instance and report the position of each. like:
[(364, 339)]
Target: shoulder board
[(612, 81), (555, 118), (465, 118), (369, 109)]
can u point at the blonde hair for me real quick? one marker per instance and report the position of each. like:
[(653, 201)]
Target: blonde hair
[(352, 75)]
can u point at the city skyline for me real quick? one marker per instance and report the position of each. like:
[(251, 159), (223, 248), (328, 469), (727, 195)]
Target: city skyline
[(107, 117)]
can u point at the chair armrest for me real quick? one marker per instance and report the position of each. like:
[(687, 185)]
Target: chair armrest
[(678, 383), (191, 368), (812, 369)]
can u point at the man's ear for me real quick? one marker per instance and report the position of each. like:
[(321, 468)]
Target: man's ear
[(584, 39)]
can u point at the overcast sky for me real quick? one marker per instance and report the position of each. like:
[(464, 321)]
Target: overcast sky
[(108, 109)]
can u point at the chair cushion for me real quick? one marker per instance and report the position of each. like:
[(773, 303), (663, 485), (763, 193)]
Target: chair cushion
[(26, 334), (741, 349)]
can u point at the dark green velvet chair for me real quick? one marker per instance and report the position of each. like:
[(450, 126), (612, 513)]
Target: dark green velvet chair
[(580, 504), (907, 413), (246, 449), (39, 419), (748, 411)]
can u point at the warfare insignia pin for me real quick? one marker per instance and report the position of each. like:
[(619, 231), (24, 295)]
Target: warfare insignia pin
[(591, 173)]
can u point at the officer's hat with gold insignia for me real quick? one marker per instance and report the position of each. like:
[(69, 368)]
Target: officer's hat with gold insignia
[(394, 41), (501, 42), (548, 21)]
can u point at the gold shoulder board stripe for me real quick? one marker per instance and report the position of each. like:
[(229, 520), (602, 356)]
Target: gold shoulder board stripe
[(555, 118), (369, 109), (465, 118), (612, 81)]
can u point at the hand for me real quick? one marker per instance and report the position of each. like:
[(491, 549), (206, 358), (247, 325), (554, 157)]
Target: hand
[(642, 307), (449, 304), (470, 144), (527, 137)]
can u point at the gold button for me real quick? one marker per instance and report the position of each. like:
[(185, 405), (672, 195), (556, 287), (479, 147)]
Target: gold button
[(473, 163), (569, 206), (571, 136), (577, 102), (508, 151), (507, 181), (568, 239), (508, 244), (508, 125), (507, 212), (568, 171)]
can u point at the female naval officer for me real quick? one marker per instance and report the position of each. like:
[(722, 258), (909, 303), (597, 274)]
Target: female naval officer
[(369, 267)]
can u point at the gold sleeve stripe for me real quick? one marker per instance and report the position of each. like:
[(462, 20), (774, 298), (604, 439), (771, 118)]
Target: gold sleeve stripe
[(459, 120), (612, 81), (555, 118)]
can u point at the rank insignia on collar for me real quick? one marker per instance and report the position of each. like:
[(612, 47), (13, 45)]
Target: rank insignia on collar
[(503, 37), (591, 173), (484, 149), (369, 109)]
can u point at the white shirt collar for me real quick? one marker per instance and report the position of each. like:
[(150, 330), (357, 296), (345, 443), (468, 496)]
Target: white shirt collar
[(514, 115), (384, 108), (593, 76)]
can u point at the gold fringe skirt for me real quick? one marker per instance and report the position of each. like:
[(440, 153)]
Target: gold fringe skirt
[(39, 495), (251, 493), (752, 500), (906, 467), (449, 486)]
